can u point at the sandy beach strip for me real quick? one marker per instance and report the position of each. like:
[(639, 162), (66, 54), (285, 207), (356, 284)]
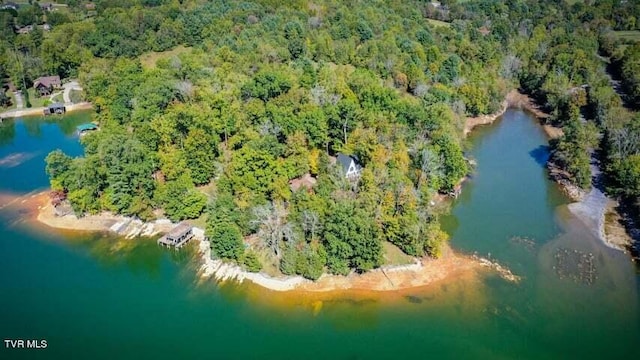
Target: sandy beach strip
[(39, 111)]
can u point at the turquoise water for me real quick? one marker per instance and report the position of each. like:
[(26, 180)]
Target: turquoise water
[(95, 296)]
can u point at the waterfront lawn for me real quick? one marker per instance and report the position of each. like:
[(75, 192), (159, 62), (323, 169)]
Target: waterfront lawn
[(77, 96), (58, 98), (269, 262), (35, 99), (394, 256), (200, 222)]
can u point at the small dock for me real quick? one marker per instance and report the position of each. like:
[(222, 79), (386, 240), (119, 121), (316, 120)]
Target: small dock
[(178, 237), (84, 128), (56, 108)]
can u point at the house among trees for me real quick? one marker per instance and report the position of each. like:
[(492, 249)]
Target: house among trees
[(350, 165), (45, 85)]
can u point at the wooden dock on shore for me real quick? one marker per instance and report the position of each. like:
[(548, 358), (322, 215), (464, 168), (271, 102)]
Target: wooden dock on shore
[(178, 237)]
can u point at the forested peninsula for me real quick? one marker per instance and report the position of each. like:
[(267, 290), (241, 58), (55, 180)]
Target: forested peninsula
[(315, 136)]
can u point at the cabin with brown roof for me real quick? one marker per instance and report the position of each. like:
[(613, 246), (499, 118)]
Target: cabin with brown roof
[(46, 84), (306, 181)]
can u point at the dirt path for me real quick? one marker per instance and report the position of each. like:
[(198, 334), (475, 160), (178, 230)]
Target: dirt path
[(72, 85), (19, 101)]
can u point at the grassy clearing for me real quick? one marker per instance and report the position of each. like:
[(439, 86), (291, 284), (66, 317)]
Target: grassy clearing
[(438, 23), (394, 256), (200, 222), (58, 98), (77, 96), (628, 36), (268, 261), (35, 99), (148, 60)]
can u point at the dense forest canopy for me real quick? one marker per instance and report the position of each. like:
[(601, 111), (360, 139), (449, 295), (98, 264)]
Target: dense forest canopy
[(265, 92)]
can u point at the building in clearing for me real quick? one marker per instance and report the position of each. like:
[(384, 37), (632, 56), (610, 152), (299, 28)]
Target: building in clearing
[(178, 237), (306, 181), (45, 85), (350, 165)]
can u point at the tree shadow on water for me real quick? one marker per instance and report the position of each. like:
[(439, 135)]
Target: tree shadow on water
[(540, 154)]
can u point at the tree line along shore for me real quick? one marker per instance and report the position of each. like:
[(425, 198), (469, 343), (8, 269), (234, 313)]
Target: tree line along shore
[(419, 273), (243, 129)]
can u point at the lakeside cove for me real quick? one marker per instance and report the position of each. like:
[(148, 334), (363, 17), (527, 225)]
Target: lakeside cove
[(592, 206)]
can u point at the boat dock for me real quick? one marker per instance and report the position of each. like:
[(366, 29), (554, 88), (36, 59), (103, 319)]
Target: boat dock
[(178, 237), (56, 108)]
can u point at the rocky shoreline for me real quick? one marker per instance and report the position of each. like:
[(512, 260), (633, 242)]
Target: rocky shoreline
[(421, 273), (562, 178)]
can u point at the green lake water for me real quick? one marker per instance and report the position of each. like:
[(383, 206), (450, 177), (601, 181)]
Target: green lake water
[(99, 297)]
